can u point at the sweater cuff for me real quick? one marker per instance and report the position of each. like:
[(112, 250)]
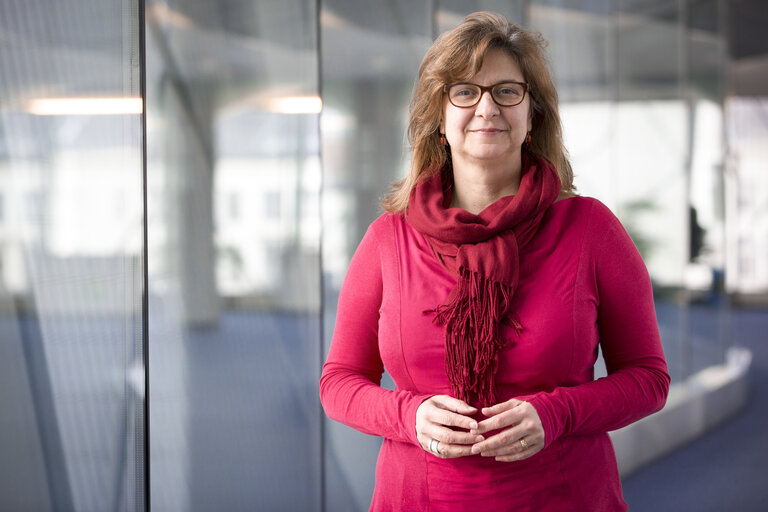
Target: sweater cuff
[(545, 409), (410, 417)]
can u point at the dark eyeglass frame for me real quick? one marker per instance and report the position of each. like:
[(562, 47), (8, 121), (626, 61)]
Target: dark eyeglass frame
[(484, 89)]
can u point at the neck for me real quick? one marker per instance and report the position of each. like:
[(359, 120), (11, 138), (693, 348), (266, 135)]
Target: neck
[(477, 185)]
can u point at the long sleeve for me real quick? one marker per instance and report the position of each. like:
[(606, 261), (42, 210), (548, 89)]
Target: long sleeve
[(350, 388), (617, 282)]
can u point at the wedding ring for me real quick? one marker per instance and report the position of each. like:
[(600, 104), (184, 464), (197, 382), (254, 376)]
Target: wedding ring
[(433, 446), (523, 444)]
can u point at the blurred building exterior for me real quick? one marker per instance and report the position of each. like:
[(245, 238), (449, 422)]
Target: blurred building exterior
[(183, 183)]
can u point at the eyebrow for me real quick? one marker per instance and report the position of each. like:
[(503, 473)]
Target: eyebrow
[(505, 80)]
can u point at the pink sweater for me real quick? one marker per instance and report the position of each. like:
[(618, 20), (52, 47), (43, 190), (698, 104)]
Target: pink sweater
[(582, 284)]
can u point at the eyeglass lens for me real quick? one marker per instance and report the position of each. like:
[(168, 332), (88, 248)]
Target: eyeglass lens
[(468, 95)]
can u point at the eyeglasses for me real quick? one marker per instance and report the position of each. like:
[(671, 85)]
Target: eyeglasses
[(505, 94)]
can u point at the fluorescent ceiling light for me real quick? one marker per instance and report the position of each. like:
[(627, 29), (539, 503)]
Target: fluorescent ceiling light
[(296, 105), (84, 106)]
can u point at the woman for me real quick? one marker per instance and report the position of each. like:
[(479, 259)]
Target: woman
[(485, 290)]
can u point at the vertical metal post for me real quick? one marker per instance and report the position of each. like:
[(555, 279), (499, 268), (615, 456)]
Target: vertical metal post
[(321, 320), (686, 96), (725, 299), (144, 265)]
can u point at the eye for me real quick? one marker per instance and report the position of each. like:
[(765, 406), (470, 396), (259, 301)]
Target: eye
[(463, 91), (508, 90)]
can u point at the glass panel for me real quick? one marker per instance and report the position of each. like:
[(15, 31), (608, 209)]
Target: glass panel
[(71, 256), (648, 87), (582, 39), (583, 64), (450, 13), (234, 282), (371, 52), (653, 121), (704, 272), (747, 202)]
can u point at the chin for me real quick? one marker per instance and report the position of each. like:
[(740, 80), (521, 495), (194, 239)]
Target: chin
[(494, 155)]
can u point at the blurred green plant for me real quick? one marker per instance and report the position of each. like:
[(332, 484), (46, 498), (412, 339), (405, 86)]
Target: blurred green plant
[(631, 213)]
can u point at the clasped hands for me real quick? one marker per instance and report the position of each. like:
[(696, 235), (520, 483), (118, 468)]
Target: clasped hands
[(445, 429)]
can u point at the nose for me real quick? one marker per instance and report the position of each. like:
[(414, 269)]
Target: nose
[(486, 107)]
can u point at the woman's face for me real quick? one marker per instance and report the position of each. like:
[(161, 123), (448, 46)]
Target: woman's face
[(488, 134)]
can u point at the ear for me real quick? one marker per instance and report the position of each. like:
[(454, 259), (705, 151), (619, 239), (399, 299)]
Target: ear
[(530, 118), (443, 106)]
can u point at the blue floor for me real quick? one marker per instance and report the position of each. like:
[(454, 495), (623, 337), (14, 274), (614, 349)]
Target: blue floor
[(242, 422), (727, 468)]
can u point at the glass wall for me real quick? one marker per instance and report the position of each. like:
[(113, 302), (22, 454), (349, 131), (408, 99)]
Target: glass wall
[(370, 54), (747, 202), (642, 88), (272, 129), (71, 256), (234, 255)]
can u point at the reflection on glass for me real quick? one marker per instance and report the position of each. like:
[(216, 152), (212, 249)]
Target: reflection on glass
[(234, 126), (234, 234), (71, 279), (370, 56), (84, 106), (642, 113), (747, 203)]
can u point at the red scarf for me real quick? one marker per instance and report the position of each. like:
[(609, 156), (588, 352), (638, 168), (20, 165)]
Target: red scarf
[(483, 252)]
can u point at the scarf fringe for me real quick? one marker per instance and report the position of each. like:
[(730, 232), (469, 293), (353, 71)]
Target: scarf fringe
[(472, 315)]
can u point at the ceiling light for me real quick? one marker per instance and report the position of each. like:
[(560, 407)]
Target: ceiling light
[(84, 106), (296, 105)]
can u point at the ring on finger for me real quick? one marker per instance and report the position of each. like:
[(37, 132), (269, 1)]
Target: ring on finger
[(523, 443), (433, 445)]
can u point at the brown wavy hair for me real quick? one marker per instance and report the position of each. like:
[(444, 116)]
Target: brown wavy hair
[(457, 55)]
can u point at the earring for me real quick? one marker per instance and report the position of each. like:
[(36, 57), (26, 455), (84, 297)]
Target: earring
[(528, 139), (442, 139)]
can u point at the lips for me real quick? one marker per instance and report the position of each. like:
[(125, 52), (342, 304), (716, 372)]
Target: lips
[(487, 131)]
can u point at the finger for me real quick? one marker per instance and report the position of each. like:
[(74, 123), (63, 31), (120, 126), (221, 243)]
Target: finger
[(508, 442), (519, 456), (501, 407), (454, 404), (452, 451), (513, 448), (447, 417), (501, 420), (444, 450), (500, 443), (510, 446), (522, 449), (449, 436)]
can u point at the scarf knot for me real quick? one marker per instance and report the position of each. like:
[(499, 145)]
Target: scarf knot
[(482, 251)]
